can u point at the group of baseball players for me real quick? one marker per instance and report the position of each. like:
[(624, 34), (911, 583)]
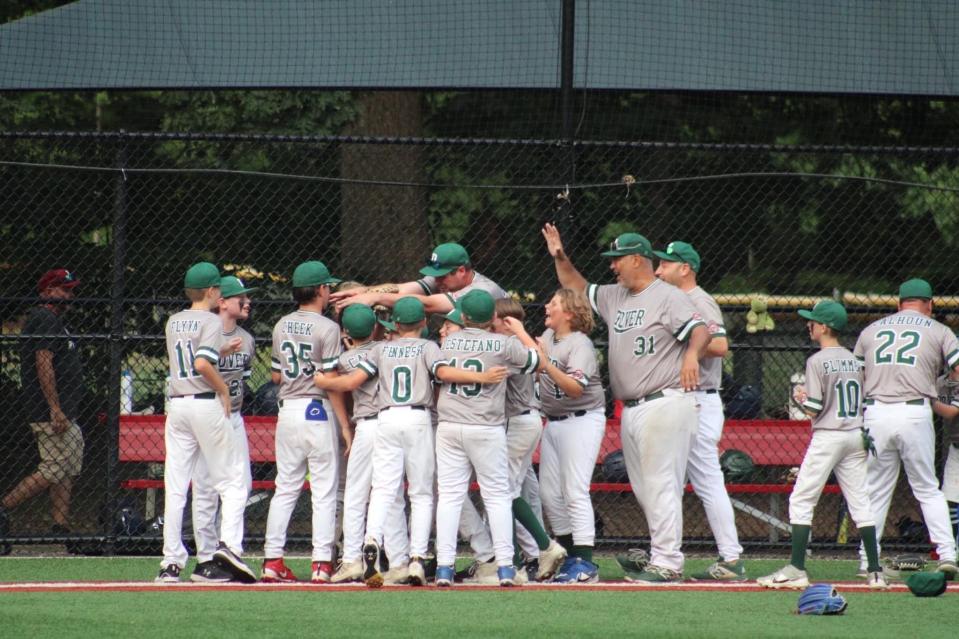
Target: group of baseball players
[(414, 419)]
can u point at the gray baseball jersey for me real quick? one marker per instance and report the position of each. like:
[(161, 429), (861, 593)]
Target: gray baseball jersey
[(834, 389), (575, 355), (191, 334), (710, 368), (647, 335), (364, 397), (480, 281), (521, 394), (304, 342), (903, 354), (405, 368), (477, 350), (237, 367), (949, 394)]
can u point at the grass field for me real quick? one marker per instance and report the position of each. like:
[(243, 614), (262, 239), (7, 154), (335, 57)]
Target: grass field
[(460, 612)]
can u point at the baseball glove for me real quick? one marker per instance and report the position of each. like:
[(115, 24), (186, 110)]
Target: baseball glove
[(907, 563), (821, 599)]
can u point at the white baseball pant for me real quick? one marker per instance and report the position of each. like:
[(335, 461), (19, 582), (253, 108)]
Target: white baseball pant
[(356, 499), (707, 477), (829, 450), (567, 458), (404, 443), (473, 528), (206, 502), (460, 448), (304, 445), (523, 433), (904, 433), (657, 437), (950, 474), (194, 428)]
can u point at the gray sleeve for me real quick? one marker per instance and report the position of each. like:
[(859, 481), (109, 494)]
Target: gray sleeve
[(428, 284), (859, 352), (209, 340), (582, 364), (371, 365), (950, 348), (681, 316), (276, 364), (526, 360), (814, 391), (433, 357), (601, 299), (330, 347)]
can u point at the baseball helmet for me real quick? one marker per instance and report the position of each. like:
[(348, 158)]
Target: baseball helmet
[(614, 468), (737, 466)]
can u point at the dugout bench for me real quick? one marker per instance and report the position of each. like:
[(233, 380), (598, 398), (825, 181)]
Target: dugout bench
[(771, 443)]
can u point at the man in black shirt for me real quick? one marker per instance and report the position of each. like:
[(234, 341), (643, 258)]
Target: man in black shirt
[(52, 380)]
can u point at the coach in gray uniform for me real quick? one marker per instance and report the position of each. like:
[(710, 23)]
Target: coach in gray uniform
[(679, 265), (656, 339), (902, 355)]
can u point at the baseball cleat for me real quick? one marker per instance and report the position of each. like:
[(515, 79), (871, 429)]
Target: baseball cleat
[(444, 576), (576, 570), (862, 573), (322, 572), (786, 577), (349, 571), (877, 581), (531, 568), (722, 571), (506, 576), (636, 560), (229, 561), (169, 574), (416, 572), (209, 572), (550, 560), (949, 568), (470, 572), (654, 575), (398, 574), (275, 571), (371, 564)]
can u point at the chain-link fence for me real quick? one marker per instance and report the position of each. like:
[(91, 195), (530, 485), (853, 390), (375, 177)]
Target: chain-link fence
[(777, 228)]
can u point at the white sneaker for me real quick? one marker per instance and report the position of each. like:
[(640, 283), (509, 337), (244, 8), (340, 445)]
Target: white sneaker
[(948, 567), (550, 560), (877, 581), (349, 571), (786, 577), (416, 572), (485, 574), (397, 574)]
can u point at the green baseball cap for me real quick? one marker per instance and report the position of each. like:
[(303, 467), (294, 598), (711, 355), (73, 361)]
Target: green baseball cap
[(455, 316), (313, 273), (827, 312), (477, 306), (629, 244), (927, 584), (680, 252), (915, 289), (232, 287), (202, 275), (387, 324), (408, 310), (445, 259), (358, 320)]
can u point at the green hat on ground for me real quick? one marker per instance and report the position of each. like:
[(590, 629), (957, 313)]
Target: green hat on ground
[(358, 320), (477, 306), (445, 259), (232, 287), (915, 289), (312, 273), (827, 312), (408, 310), (455, 316), (927, 584), (202, 275), (680, 252), (629, 244)]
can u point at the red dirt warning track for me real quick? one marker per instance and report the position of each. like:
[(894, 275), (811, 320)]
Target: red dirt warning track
[(609, 586)]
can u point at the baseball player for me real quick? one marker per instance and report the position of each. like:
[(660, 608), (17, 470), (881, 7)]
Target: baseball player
[(679, 265), (471, 435), (832, 398), (656, 339), (403, 367), (903, 354), (235, 368), (198, 424), (305, 341), (574, 403), (447, 276), (524, 428), (359, 323)]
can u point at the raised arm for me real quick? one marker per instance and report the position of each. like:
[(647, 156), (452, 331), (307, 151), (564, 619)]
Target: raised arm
[(341, 383), (568, 276), (438, 303)]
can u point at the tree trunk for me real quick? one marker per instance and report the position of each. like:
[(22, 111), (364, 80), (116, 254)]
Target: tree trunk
[(384, 228)]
